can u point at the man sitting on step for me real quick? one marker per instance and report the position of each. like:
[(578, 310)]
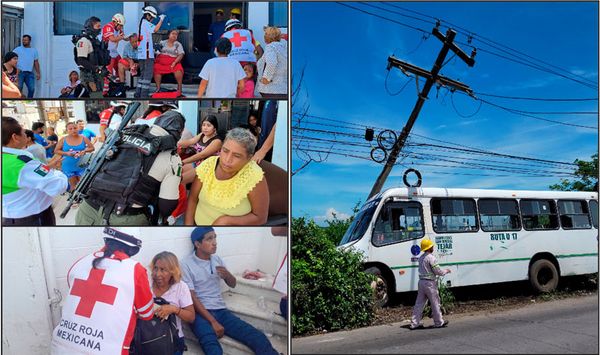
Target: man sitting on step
[(202, 272)]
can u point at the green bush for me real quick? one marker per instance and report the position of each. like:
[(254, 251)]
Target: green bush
[(336, 228), (330, 291)]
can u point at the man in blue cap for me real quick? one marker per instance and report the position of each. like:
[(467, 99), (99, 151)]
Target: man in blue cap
[(202, 272)]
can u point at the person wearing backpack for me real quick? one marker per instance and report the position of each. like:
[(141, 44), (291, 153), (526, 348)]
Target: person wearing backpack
[(167, 284), (139, 184), (108, 293), (91, 56)]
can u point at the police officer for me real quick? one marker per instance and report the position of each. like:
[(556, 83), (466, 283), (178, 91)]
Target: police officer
[(28, 185), (108, 291), (141, 182), (155, 109), (428, 269), (87, 52)]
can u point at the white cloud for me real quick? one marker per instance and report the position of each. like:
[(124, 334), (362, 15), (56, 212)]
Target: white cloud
[(329, 214)]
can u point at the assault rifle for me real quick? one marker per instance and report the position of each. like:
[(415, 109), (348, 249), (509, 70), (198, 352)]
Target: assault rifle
[(97, 161)]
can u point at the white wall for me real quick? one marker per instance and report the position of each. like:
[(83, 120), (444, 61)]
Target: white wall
[(27, 319), (26, 322), (258, 16), (280, 145)]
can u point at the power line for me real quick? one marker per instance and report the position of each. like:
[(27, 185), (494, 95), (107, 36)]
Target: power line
[(525, 114), (490, 42), (465, 147), (587, 82), (534, 66), (534, 98), (382, 17), (534, 174)]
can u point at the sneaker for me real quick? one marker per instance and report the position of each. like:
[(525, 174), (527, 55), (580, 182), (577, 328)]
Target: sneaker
[(445, 324), (413, 327)]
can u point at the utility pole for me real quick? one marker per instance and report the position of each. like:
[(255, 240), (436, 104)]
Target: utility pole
[(432, 77)]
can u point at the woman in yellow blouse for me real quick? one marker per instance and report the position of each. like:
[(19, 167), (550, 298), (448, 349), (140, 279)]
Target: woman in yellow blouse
[(230, 189)]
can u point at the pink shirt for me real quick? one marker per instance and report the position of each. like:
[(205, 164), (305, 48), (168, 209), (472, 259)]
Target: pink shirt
[(179, 295), (248, 91)]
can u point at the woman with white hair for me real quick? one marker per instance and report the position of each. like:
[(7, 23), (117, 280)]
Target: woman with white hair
[(230, 189)]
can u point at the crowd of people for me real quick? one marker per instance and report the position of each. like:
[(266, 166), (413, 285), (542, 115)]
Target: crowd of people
[(190, 287), (240, 68), (161, 174)]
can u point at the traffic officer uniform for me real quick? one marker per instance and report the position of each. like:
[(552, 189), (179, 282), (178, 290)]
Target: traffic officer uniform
[(100, 311), (28, 189), (166, 169), (428, 269)]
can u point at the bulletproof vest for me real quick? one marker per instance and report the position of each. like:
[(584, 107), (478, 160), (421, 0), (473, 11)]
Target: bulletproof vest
[(123, 179), (99, 57)]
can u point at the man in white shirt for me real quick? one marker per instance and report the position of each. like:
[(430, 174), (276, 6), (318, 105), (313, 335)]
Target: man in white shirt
[(222, 77), (146, 50)]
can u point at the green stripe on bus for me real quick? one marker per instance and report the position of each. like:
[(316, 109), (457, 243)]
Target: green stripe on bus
[(493, 261)]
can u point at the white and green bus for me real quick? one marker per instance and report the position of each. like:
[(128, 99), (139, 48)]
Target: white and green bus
[(483, 236)]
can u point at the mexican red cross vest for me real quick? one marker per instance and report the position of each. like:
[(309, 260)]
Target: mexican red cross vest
[(98, 314), (242, 45)]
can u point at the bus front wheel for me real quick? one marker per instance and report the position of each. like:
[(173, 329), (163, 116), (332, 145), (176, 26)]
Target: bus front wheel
[(380, 287), (543, 276)]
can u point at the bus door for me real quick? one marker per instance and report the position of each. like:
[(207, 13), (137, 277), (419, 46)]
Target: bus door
[(398, 227)]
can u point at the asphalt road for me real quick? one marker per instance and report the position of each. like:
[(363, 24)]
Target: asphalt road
[(568, 326)]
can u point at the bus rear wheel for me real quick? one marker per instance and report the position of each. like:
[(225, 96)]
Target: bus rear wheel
[(543, 276), (380, 287)]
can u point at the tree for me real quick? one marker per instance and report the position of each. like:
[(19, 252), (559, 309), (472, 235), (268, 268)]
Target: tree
[(587, 175)]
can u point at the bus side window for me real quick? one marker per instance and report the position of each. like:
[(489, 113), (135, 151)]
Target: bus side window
[(454, 215), (539, 214), (574, 214), (594, 212), (499, 215)]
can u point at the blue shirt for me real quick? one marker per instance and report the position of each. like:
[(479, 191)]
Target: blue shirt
[(215, 31), (26, 57), (40, 140), (202, 278), (87, 133), (129, 52)]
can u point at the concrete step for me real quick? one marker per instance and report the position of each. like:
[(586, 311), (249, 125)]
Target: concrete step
[(257, 288), (230, 346), (267, 320)]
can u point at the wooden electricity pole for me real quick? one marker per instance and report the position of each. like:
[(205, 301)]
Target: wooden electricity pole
[(432, 77)]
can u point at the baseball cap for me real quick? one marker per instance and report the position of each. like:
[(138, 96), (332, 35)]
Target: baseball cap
[(199, 232)]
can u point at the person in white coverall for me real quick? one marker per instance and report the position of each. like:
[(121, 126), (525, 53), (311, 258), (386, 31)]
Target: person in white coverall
[(428, 269)]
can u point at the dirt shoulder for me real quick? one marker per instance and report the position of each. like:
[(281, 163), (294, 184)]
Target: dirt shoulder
[(489, 299)]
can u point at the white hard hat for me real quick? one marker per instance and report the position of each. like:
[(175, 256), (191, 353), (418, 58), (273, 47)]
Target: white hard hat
[(231, 23), (119, 19), (150, 10)]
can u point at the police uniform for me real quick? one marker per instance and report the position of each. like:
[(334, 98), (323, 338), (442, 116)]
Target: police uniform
[(28, 189), (100, 311), (84, 49), (165, 169), (428, 269)]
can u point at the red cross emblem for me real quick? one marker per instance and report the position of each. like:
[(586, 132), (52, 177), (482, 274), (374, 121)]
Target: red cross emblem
[(238, 39), (91, 291)]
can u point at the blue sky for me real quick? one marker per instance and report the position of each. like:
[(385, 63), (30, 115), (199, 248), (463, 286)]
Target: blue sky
[(344, 53)]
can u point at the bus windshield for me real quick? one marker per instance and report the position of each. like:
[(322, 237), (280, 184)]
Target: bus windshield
[(360, 223)]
